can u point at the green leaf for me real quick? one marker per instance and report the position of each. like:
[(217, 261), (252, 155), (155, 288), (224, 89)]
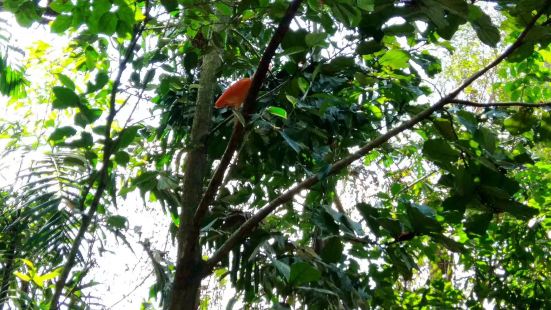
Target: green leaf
[(516, 209), (223, 9), (366, 5), (292, 100), (127, 136), (91, 57), (303, 84), (61, 6), (457, 7), (27, 13), (316, 39), (445, 127), (124, 29), (369, 47), (101, 6), (165, 182), (302, 272), (29, 264), (50, 275), (292, 143), (454, 208), (277, 111), (294, 42), (520, 122), (399, 29), (340, 63), (22, 276), (422, 218), (191, 60), (483, 26), (449, 243), (101, 79), (477, 223), (170, 5), (395, 59), (316, 290), (439, 150), (86, 141), (468, 120), (66, 81), (402, 262), (61, 23), (62, 133), (283, 269), (431, 64), (346, 13), (149, 76), (146, 181), (108, 23), (126, 14), (87, 116), (494, 192), (332, 250), (117, 221), (122, 158), (65, 98), (393, 227), (487, 139)]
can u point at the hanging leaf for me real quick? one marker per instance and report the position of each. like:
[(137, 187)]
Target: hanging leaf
[(277, 111), (302, 272), (65, 98)]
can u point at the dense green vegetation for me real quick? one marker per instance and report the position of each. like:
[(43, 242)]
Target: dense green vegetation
[(390, 154)]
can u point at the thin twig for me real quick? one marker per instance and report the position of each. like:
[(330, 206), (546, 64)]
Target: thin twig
[(125, 296), (500, 104)]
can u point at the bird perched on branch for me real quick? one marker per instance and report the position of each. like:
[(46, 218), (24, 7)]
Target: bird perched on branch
[(235, 95)]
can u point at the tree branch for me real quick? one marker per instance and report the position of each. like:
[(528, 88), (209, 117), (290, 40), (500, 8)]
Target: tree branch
[(248, 108), (196, 170), (500, 104), (103, 173), (244, 230)]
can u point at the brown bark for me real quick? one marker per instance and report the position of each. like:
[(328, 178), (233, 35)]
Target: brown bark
[(185, 290)]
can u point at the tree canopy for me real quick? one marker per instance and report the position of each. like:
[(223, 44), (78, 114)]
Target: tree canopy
[(388, 154)]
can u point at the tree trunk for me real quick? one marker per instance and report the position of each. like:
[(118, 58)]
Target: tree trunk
[(187, 281)]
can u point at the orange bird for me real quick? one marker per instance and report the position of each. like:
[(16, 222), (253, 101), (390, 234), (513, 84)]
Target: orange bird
[(234, 96)]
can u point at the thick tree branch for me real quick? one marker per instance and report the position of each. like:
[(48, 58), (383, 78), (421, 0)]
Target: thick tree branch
[(248, 108), (500, 104), (185, 289), (104, 171), (244, 230)]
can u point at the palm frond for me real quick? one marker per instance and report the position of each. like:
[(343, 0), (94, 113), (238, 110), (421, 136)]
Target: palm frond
[(12, 79), (44, 205), (47, 202), (38, 214)]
